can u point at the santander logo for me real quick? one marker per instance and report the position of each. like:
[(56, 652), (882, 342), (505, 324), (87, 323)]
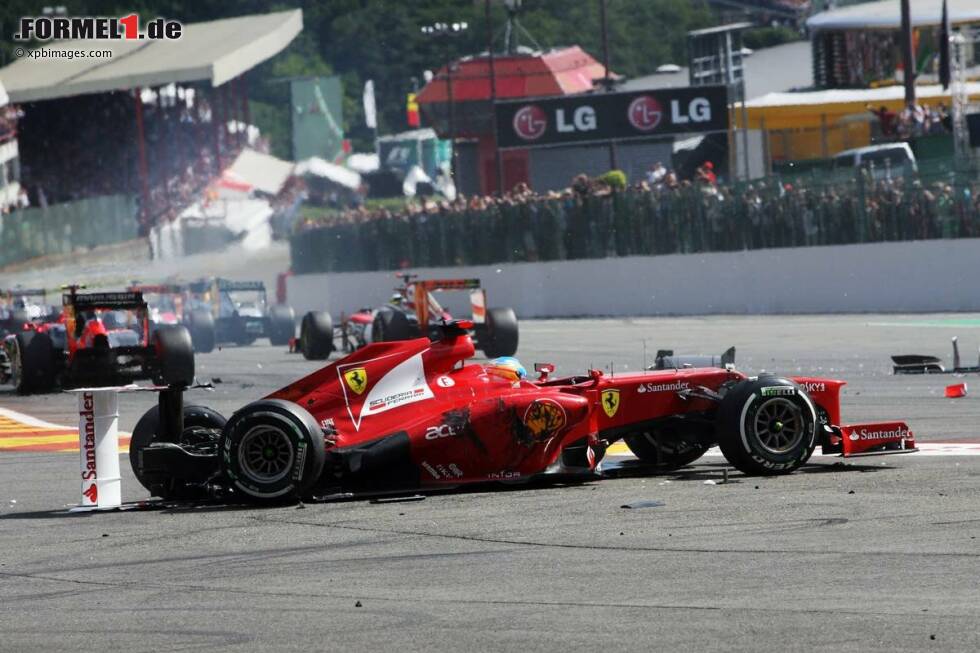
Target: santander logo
[(645, 113), (530, 122)]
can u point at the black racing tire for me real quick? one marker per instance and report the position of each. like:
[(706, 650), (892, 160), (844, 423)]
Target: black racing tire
[(203, 334), (666, 453), (272, 450), (500, 335), (174, 356), (767, 426), (282, 325), (196, 418), (316, 336), (393, 325), (32, 362)]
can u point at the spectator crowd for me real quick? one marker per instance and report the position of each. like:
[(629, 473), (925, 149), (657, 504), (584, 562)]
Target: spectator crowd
[(593, 218), (88, 146)]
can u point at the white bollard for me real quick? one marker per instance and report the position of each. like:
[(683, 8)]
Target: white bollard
[(98, 443)]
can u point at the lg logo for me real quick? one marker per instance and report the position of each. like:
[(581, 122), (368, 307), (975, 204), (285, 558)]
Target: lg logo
[(645, 113), (530, 122)]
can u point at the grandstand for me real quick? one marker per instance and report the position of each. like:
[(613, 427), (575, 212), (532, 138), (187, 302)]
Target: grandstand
[(139, 134)]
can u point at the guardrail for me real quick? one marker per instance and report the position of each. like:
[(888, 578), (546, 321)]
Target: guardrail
[(687, 219)]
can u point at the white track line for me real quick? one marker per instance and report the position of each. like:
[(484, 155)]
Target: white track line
[(27, 420), (925, 449)]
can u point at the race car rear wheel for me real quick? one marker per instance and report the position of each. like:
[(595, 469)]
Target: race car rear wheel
[(316, 335), (202, 429), (666, 452), (500, 335), (393, 325), (766, 426), (32, 363), (175, 356), (272, 450), (202, 330), (282, 325)]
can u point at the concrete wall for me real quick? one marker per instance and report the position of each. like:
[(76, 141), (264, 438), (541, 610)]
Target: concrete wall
[(921, 276)]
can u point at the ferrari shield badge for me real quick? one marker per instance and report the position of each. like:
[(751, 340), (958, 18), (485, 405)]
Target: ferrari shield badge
[(610, 401), (543, 419), (356, 379)]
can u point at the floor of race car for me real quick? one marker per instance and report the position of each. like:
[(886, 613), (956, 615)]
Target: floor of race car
[(856, 555)]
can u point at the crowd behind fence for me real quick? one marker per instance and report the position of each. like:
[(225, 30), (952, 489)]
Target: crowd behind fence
[(643, 220), (64, 228)]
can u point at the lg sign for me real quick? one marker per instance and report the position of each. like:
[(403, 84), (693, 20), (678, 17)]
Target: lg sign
[(612, 116), (530, 123), (645, 113)]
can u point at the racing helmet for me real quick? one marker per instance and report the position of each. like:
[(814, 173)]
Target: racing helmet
[(506, 367)]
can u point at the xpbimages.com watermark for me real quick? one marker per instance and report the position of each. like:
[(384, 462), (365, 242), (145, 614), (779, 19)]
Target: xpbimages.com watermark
[(61, 54), (64, 28)]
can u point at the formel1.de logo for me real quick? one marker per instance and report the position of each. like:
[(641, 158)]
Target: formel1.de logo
[(530, 122), (645, 113)]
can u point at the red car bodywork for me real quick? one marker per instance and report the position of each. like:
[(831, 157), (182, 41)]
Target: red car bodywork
[(464, 424)]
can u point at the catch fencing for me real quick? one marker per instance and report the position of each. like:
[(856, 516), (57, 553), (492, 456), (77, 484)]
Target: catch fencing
[(811, 210), (64, 228)]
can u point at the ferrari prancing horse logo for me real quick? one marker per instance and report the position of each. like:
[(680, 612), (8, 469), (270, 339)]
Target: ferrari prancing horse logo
[(356, 379), (610, 401)]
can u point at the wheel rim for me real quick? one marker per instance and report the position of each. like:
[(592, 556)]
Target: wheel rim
[(779, 425), (266, 454), (16, 367)]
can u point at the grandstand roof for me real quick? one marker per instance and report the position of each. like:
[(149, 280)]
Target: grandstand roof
[(887, 14), (215, 51), (813, 108)]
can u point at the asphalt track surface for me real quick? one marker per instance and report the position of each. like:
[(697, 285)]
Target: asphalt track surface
[(869, 554)]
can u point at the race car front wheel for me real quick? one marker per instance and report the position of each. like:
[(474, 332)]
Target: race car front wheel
[(316, 335), (766, 426), (499, 335), (174, 356), (202, 430), (282, 325), (202, 330), (272, 450)]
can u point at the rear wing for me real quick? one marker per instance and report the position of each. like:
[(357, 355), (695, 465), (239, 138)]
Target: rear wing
[(24, 292), (158, 288), (104, 300), (230, 286)]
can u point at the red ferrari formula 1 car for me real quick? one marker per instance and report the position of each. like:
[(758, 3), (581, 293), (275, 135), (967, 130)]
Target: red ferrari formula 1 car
[(412, 312), (411, 415)]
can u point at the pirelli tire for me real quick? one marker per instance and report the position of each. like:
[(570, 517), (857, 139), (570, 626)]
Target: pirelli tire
[(203, 331), (767, 426), (32, 362), (282, 325), (174, 351), (391, 325), (316, 335), (271, 451), (499, 336), (200, 424)]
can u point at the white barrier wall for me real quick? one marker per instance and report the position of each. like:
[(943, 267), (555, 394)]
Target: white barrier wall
[(919, 276)]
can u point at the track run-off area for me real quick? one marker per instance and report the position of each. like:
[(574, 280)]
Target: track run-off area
[(878, 553)]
